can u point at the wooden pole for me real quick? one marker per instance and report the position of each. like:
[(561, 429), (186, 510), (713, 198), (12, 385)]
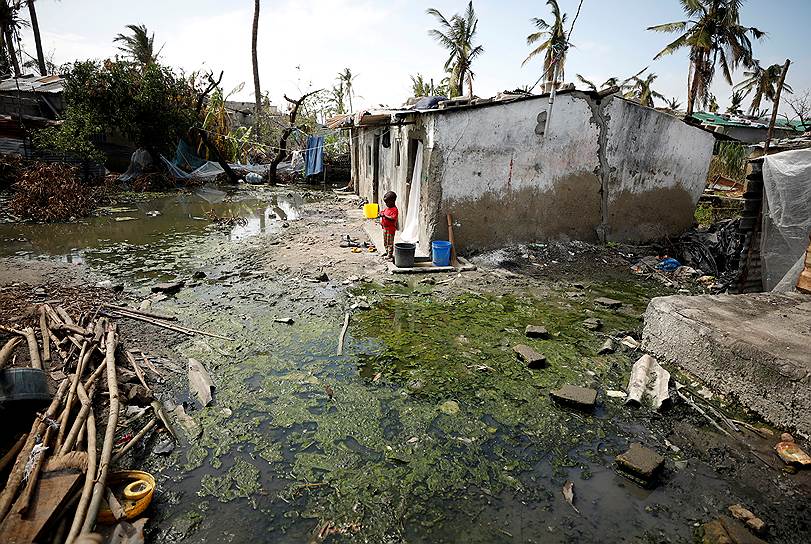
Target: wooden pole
[(109, 433), (90, 476), (776, 106), (33, 348), (148, 427), (46, 338), (84, 355), (8, 349), (87, 406), (454, 260)]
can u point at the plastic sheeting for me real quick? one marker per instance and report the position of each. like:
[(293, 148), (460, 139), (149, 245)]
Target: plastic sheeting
[(786, 216)]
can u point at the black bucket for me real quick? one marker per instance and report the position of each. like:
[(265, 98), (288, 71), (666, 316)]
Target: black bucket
[(404, 255), (23, 384)]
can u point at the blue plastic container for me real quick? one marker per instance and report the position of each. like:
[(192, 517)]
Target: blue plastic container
[(441, 253)]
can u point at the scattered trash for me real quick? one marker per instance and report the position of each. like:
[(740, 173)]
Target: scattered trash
[(580, 397), (648, 378), (568, 494), (790, 452), (532, 358), (668, 264)]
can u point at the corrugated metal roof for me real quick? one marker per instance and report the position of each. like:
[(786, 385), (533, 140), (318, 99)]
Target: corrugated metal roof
[(47, 84)]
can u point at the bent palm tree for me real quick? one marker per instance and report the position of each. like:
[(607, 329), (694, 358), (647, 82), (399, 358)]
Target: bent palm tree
[(673, 105), (642, 91), (140, 46), (346, 79), (763, 82), (553, 46), (714, 35), (457, 35)]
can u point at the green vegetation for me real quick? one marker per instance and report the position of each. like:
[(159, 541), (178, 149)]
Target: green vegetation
[(552, 43), (457, 35)]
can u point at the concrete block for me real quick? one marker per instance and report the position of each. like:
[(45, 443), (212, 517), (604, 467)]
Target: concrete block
[(536, 331), (640, 461), (753, 348), (581, 397), (532, 358)]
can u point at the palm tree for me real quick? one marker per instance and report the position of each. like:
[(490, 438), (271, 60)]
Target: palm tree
[(714, 35), (610, 82), (140, 46), (32, 12), (457, 35), (673, 105), (420, 87), (735, 103), (10, 24), (641, 90), (257, 90), (588, 83), (553, 46), (346, 78), (763, 82), (338, 96)]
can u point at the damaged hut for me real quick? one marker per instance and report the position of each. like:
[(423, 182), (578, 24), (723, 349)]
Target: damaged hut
[(598, 168)]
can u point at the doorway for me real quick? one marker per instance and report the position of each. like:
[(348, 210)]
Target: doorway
[(376, 169)]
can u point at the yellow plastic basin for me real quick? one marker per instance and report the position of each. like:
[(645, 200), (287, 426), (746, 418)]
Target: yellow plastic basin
[(370, 210)]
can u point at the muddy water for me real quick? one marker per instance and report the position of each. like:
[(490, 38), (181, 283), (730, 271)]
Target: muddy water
[(427, 429)]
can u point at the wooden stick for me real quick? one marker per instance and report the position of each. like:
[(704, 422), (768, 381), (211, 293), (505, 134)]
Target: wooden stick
[(454, 260), (33, 348), (139, 312), (74, 329), (84, 355), (96, 374), (22, 504), (18, 471), (695, 407), (343, 335), (134, 440), (87, 406), (46, 339), (12, 453), (138, 371), (8, 349), (177, 328), (81, 508), (109, 433)]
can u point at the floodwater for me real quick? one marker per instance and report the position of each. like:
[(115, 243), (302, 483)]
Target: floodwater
[(427, 429)]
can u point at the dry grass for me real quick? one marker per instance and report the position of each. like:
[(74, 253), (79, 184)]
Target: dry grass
[(52, 192)]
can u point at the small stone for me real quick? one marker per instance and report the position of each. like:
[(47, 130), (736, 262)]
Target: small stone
[(640, 461), (536, 331), (532, 358), (199, 275), (616, 394), (714, 533), (593, 324), (449, 407), (608, 302), (738, 532), (105, 284), (578, 285), (284, 320), (168, 287), (742, 513), (139, 395), (630, 342), (607, 347), (580, 397), (322, 277)]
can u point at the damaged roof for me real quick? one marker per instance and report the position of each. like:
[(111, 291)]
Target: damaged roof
[(47, 84)]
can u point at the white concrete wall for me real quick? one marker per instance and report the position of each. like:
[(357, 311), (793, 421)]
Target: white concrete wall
[(656, 171), (504, 182)]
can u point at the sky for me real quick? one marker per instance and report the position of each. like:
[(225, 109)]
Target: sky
[(303, 45)]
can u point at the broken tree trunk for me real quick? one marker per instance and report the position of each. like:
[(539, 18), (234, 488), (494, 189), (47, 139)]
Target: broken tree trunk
[(282, 152), (18, 471), (109, 433)]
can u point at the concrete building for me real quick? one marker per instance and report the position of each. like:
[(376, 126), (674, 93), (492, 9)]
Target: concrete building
[(604, 168), (746, 130)]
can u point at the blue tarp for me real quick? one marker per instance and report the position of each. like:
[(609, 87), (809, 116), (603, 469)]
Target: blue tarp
[(314, 157)]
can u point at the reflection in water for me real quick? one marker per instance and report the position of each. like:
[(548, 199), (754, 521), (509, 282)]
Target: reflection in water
[(160, 235)]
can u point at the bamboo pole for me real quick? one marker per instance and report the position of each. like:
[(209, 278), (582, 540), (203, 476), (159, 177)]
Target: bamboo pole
[(177, 328), (17, 472), (8, 349), (148, 427), (33, 348), (84, 355), (81, 508), (12, 453), (46, 339), (78, 424), (109, 433)]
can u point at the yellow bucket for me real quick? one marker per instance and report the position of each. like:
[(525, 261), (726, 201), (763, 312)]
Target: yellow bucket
[(141, 496), (370, 210)]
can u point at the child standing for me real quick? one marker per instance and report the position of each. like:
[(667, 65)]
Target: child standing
[(389, 222)]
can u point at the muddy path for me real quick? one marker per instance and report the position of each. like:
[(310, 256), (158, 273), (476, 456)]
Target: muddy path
[(427, 428)]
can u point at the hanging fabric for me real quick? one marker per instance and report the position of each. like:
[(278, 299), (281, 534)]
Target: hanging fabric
[(411, 232), (314, 156)]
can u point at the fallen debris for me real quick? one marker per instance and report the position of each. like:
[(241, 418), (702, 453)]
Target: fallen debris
[(532, 358), (536, 331), (200, 383), (790, 452), (740, 512), (568, 494), (648, 378), (342, 336), (579, 397), (640, 462), (726, 530)]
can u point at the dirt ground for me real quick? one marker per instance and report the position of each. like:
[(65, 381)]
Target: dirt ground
[(271, 402)]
